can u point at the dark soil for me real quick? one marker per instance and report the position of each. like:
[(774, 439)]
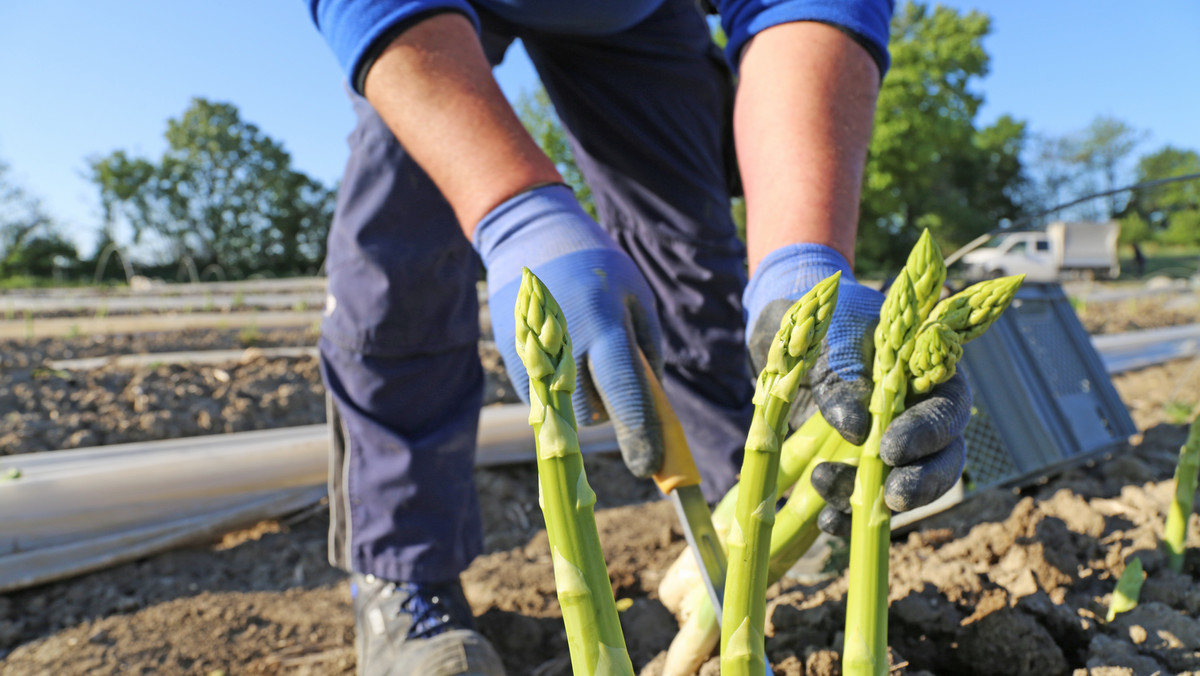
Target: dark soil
[(1010, 582)]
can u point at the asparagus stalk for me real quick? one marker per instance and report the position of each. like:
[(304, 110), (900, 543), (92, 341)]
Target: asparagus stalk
[(791, 354), (913, 292), (796, 523), (795, 456), (909, 321), (865, 651), (1186, 470), (798, 452), (594, 636), (699, 630), (1129, 587), (698, 634)]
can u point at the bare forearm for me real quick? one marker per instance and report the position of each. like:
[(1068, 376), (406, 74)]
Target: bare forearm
[(802, 122), (434, 88)]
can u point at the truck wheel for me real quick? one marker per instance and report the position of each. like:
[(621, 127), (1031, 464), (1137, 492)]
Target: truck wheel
[(996, 274)]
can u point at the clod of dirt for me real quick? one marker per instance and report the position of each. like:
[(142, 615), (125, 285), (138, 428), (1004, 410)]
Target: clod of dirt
[(797, 628), (1108, 653), (926, 610), (823, 663), (647, 626), (1167, 586), (1009, 642), (1162, 632)]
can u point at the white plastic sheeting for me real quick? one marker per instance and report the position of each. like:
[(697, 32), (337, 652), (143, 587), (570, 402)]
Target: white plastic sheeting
[(75, 511), (1138, 349)]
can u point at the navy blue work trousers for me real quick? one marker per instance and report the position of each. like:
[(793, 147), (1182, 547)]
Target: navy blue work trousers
[(648, 114)]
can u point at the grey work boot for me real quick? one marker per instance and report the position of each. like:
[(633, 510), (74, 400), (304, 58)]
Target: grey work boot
[(407, 629)]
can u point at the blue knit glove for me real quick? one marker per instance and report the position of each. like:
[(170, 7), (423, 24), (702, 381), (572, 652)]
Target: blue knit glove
[(610, 311), (840, 381), (924, 445)]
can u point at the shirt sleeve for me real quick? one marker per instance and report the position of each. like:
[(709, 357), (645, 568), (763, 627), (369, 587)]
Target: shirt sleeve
[(866, 21), (357, 30)]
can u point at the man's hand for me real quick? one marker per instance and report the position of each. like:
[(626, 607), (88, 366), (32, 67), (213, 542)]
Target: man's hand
[(610, 311), (925, 448), (840, 381), (434, 88), (924, 445)]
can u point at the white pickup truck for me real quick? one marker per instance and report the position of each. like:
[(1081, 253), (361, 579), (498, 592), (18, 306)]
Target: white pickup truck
[(1064, 249)]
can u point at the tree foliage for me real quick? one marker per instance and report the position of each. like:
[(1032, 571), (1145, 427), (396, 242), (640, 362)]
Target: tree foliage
[(223, 192), (1081, 163), (1168, 212), (30, 244), (929, 165), (1102, 151)]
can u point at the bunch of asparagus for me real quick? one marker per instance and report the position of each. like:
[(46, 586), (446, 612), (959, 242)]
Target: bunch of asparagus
[(585, 594), (922, 343), (917, 345)]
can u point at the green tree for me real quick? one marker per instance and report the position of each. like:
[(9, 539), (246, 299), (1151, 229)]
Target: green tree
[(1134, 229), (1171, 210), (223, 192), (929, 165), (30, 243), (1102, 151)]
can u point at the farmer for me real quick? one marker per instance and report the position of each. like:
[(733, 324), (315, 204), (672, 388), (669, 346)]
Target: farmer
[(442, 178)]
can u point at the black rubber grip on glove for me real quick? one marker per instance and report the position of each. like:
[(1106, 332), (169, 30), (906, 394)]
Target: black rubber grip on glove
[(834, 521), (603, 394), (928, 424), (843, 403), (834, 481), (925, 480)]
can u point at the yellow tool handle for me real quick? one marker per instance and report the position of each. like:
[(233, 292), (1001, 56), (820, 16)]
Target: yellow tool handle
[(678, 469)]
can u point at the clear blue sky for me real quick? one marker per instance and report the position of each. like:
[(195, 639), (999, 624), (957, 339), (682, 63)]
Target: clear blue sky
[(79, 79)]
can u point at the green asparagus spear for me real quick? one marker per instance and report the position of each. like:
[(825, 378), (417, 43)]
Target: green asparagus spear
[(1129, 587), (917, 344), (1175, 532), (584, 592), (791, 354)]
